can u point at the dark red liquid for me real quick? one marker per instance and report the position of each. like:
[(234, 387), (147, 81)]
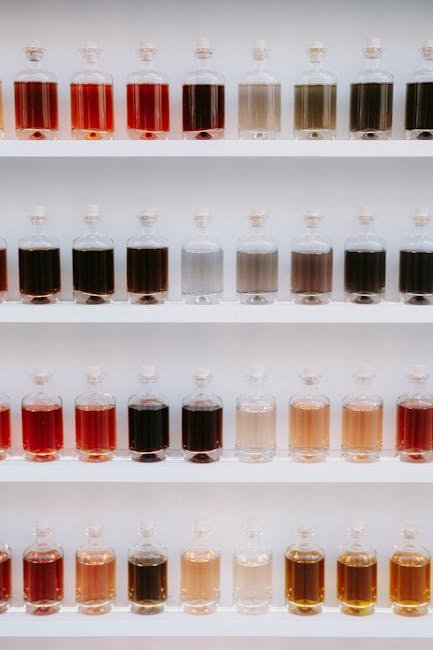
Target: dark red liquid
[(5, 428), (3, 270), (36, 106), (93, 271), (39, 271), (43, 578), (202, 430), (5, 577), (414, 427), (148, 108), (147, 270), (95, 428), (42, 428), (202, 107), (148, 427), (92, 108)]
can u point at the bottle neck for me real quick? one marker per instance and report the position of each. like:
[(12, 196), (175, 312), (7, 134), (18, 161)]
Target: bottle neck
[(149, 386), (363, 386), (372, 64), (203, 62), (256, 385), (259, 64), (427, 65), (148, 228), (148, 64), (42, 538), (315, 63)]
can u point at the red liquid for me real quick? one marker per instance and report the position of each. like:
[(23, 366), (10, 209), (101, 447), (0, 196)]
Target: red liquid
[(95, 429), (43, 578), (5, 578), (92, 108), (36, 106), (5, 428), (42, 430), (414, 428), (202, 107), (148, 108)]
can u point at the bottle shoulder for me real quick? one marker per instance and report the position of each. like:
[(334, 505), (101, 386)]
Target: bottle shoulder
[(94, 398), (363, 402), (415, 242), (305, 553), (202, 402), (42, 241), (37, 75), (41, 399), (204, 76), (252, 555), (98, 241), (88, 554), (92, 77), (311, 243), (152, 400), (317, 78), (147, 77), (422, 75), (306, 401), (369, 243), (150, 553), (205, 244), (257, 243), (373, 75), (147, 241), (262, 77), (263, 402), (415, 400), (49, 552)]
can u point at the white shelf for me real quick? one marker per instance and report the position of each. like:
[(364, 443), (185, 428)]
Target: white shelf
[(226, 623), (216, 149)]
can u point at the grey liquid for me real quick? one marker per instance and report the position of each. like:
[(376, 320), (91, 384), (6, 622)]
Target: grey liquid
[(256, 272), (259, 107), (202, 273), (315, 107)]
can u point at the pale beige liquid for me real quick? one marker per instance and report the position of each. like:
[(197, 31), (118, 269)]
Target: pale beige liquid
[(259, 107), (252, 582), (362, 427), (1, 106), (200, 579), (256, 429), (309, 427)]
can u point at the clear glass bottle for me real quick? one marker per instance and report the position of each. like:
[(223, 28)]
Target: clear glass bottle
[(311, 261), (202, 421), (259, 99), (39, 263), (2, 133), (42, 421), (357, 574), (362, 420), (5, 577), (203, 98), (93, 262), (147, 263), (365, 263), (256, 420), (147, 572), (43, 572), (257, 263), (252, 572), (92, 110), (414, 432), (200, 572), (309, 421), (36, 99), (5, 425), (95, 570), (202, 264), (409, 575), (316, 99), (95, 420), (148, 420), (416, 262), (147, 98), (419, 98), (371, 98), (305, 574), (3, 270)]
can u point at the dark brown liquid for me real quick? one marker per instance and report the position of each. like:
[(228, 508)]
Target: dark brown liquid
[(356, 580), (147, 580), (203, 107), (3, 270), (312, 272), (39, 271), (416, 272), (371, 106), (315, 106), (202, 430), (419, 107), (148, 427), (256, 272), (364, 271), (305, 579), (93, 271), (147, 270)]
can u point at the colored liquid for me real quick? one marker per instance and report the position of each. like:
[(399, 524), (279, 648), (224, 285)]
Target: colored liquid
[(95, 429), (93, 271), (305, 579), (203, 108), (419, 106), (260, 108), (95, 581), (5, 578), (5, 428), (148, 108), (362, 428), (147, 580), (42, 430), (200, 580), (356, 581), (371, 106), (43, 578), (409, 575), (148, 426), (315, 107), (312, 272), (36, 106), (309, 429), (92, 109), (3, 270), (256, 428), (202, 430), (147, 270), (416, 272), (39, 271), (256, 272), (364, 271), (415, 428)]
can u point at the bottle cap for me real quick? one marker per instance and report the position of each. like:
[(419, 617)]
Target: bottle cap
[(421, 216), (147, 46), (93, 214), (312, 218), (373, 49), (202, 528), (253, 527), (146, 528), (260, 49), (203, 48), (90, 50), (366, 215), (94, 529), (364, 372), (357, 529), (410, 530), (147, 215), (34, 50), (202, 217), (427, 50), (257, 217), (148, 373), (305, 529), (310, 376), (41, 376), (316, 50), (257, 372), (418, 373), (94, 374), (41, 527), (38, 214), (202, 375)]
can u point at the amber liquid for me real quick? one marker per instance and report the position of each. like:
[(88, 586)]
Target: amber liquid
[(92, 113), (3, 271), (409, 588), (305, 581), (356, 583), (256, 272), (39, 272), (43, 581), (95, 431), (200, 581), (311, 273), (5, 430), (147, 109), (415, 430), (202, 431), (371, 107), (42, 431), (95, 582), (93, 273), (419, 108), (362, 431), (203, 109), (315, 107), (309, 430), (147, 583), (5, 580), (36, 107), (147, 271)]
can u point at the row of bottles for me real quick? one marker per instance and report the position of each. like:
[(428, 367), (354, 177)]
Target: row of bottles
[(304, 592), (202, 256), (203, 98), (202, 421)]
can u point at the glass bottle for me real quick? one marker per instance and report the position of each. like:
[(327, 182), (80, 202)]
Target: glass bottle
[(95, 420), (365, 263), (147, 263), (357, 574), (42, 421), (93, 262), (147, 98), (416, 262), (43, 572), (39, 263), (5, 425), (305, 574), (316, 99), (371, 98), (148, 420), (3, 271), (409, 575), (419, 98), (415, 419), (311, 259), (252, 572), (36, 101), (2, 133), (362, 420), (92, 111), (257, 263), (202, 421), (259, 99), (200, 572), (147, 572), (202, 264), (203, 98), (5, 577), (95, 570), (309, 421), (256, 420)]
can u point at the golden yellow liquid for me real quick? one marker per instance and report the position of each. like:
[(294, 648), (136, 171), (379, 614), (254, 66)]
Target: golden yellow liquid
[(357, 582), (409, 575)]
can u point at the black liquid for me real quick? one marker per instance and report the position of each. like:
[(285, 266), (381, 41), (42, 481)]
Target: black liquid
[(364, 271), (202, 430), (3, 270), (39, 271), (147, 580), (203, 107), (147, 270), (371, 106), (416, 272), (419, 107), (93, 271), (148, 427)]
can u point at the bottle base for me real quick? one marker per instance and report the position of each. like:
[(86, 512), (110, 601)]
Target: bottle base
[(309, 455), (364, 298), (355, 610), (42, 458), (257, 298), (139, 134), (416, 456), (147, 298), (313, 298), (202, 299), (3, 454), (78, 134), (410, 610), (43, 609), (372, 134), (97, 456), (305, 610), (148, 456), (419, 134), (36, 134), (416, 298), (202, 457), (361, 456), (199, 608), (49, 299), (4, 607), (253, 134), (95, 609), (84, 298), (147, 610), (252, 609), (3, 296), (315, 134), (255, 455), (205, 134)]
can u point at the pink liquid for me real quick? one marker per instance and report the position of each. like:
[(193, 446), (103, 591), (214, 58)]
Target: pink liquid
[(5, 429)]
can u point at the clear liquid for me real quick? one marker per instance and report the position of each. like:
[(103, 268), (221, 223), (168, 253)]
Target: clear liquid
[(256, 432), (252, 584), (202, 276), (259, 111)]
